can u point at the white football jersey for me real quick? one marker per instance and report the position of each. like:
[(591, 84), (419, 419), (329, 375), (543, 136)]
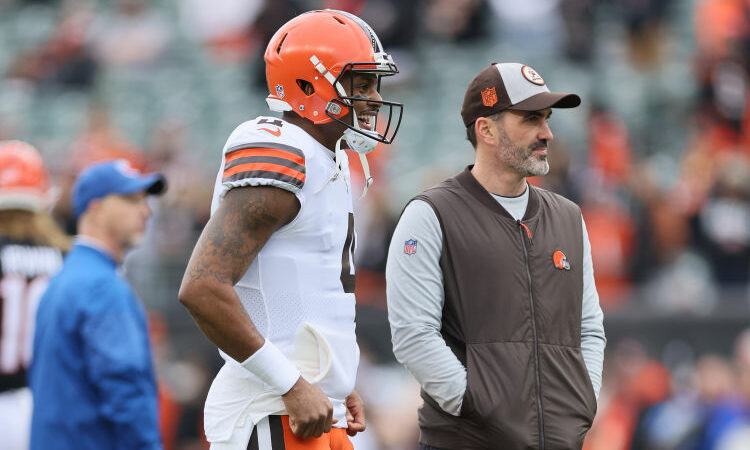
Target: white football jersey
[(302, 280)]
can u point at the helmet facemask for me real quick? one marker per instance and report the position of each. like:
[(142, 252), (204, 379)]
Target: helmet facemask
[(360, 139)]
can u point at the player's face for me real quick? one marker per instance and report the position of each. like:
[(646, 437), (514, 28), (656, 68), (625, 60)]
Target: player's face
[(364, 86), (125, 217), (524, 137)]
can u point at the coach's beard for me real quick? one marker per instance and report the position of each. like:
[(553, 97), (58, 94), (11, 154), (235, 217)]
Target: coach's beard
[(534, 164), (524, 160)]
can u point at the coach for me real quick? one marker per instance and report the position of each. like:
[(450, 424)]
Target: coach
[(92, 377), (491, 295)]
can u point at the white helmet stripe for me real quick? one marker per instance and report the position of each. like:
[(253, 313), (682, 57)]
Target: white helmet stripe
[(322, 69)]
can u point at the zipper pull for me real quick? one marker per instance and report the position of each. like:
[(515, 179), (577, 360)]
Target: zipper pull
[(528, 231)]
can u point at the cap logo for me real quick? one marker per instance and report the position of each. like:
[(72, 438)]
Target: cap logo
[(532, 75), (279, 91), (560, 260), (489, 97)]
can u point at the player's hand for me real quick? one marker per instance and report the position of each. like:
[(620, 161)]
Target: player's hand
[(310, 411), (355, 414)]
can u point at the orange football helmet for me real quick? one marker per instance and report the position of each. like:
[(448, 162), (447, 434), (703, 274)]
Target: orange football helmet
[(24, 181), (318, 47)]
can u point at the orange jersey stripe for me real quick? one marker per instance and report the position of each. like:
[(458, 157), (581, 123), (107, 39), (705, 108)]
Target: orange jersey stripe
[(265, 152), (268, 167), (335, 439)]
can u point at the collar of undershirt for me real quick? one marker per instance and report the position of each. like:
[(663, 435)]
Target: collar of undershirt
[(468, 182)]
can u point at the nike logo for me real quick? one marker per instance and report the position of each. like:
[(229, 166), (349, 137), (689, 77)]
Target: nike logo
[(276, 132)]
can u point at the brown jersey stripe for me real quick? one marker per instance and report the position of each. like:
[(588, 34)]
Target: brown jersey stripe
[(265, 159), (265, 167), (296, 182)]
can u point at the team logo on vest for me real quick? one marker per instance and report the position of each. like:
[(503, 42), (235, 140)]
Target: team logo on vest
[(532, 75), (489, 97), (410, 247), (560, 260)]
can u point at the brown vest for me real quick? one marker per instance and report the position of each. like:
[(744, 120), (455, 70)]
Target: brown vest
[(512, 316)]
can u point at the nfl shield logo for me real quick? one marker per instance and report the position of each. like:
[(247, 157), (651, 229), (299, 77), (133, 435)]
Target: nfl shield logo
[(279, 91), (489, 97), (410, 247)]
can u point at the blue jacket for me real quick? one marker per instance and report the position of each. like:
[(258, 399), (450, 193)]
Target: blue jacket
[(92, 375)]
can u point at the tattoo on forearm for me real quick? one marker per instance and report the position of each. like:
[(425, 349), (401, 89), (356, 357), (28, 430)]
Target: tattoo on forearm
[(235, 235)]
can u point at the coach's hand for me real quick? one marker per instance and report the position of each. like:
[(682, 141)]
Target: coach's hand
[(310, 411), (355, 414)]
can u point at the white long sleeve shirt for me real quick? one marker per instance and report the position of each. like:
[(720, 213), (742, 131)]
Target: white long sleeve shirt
[(415, 304)]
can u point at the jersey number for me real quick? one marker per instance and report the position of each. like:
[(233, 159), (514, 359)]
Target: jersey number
[(19, 298), (347, 255), (274, 122)]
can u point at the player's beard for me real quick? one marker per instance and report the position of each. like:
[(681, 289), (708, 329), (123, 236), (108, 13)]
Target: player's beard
[(522, 159)]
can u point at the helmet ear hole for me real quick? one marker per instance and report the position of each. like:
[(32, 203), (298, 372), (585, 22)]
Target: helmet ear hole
[(306, 86)]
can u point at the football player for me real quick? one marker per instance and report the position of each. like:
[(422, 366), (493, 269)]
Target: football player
[(271, 280), (31, 246)]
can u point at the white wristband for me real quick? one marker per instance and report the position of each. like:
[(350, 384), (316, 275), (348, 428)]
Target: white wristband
[(271, 366)]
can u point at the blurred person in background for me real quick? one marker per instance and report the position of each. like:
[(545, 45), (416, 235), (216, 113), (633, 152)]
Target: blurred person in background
[(722, 227), (456, 20), (490, 283), (64, 61), (99, 140), (224, 26), (183, 211), (633, 383), (271, 279), (736, 430), (93, 378), (694, 411), (134, 36), (31, 249)]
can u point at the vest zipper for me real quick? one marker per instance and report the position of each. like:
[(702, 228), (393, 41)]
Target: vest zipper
[(521, 228), (528, 232)]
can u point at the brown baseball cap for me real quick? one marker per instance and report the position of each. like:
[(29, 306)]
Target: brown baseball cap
[(502, 86)]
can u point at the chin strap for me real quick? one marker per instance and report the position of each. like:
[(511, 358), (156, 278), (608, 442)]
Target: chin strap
[(366, 171), (339, 155), (362, 145), (338, 159)]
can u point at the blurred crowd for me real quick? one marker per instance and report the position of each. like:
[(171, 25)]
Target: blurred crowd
[(659, 160)]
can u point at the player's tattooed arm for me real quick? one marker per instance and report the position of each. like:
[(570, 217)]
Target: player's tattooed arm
[(235, 234), (232, 238)]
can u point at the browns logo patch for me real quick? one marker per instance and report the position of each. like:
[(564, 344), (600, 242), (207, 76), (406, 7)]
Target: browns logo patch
[(489, 97), (560, 260), (532, 75)]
